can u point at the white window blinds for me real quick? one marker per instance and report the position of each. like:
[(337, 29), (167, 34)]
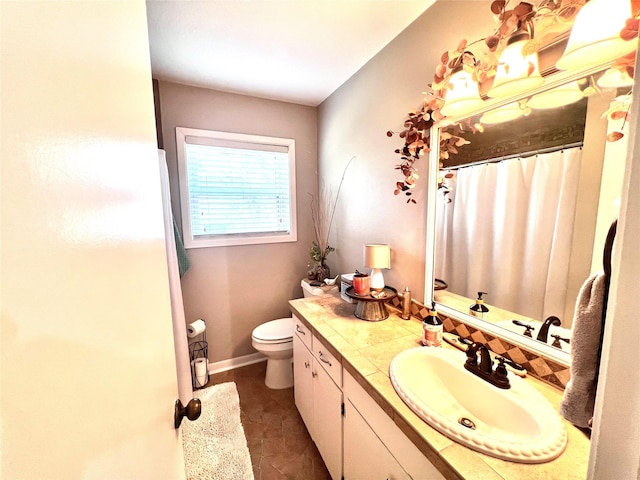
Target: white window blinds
[(239, 190)]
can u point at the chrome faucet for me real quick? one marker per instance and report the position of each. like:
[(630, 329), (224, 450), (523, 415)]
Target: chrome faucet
[(544, 329), (483, 366)]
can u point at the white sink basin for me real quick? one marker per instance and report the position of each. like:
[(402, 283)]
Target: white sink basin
[(553, 330), (517, 424)]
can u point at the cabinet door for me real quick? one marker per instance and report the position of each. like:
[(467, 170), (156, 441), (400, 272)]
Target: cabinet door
[(327, 404), (303, 381), (365, 456)]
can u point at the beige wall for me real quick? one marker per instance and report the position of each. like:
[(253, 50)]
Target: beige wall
[(237, 288), (354, 120)]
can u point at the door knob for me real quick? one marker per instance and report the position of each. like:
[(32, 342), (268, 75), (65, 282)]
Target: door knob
[(192, 411)]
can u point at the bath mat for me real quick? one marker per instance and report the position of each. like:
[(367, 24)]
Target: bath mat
[(214, 445)]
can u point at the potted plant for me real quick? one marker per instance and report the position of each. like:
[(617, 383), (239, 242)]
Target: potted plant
[(323, 208)]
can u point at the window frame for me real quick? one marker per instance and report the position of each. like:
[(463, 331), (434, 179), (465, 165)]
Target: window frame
[(242, 238)]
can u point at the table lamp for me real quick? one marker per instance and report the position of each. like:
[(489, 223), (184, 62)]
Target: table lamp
[(376, 257)]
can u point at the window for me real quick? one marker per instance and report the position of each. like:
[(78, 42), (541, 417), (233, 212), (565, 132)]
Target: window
[(235, 189)]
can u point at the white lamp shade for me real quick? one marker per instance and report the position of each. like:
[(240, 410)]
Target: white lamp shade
[(509, 112), (557, 97), (377, 256), (595, 35), (614, 78), (516, 73), (463, 96)]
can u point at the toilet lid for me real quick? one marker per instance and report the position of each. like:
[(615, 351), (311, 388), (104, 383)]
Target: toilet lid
[(275, 330)]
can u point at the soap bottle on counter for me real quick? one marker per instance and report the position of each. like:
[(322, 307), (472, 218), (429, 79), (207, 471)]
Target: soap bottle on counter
[(406, 304), (479, 309), (432, 328)]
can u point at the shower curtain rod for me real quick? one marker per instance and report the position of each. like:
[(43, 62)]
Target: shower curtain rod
[(516, 155)]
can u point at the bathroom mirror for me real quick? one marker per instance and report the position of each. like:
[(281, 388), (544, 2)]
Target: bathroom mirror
[(523, 210)]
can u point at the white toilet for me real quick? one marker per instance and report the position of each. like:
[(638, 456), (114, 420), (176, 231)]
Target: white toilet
[(274, 339)]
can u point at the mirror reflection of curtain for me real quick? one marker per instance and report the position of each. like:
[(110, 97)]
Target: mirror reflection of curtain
[(507, 230)]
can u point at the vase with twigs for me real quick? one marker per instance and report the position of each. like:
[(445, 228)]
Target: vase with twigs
[(323, 209)]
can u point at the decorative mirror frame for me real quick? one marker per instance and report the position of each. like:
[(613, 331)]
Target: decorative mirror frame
[(545, 350)]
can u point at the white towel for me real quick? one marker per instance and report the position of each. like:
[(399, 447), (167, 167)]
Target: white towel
[(580, 393)]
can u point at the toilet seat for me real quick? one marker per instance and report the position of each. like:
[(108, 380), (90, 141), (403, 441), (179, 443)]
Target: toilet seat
[(274, 331)]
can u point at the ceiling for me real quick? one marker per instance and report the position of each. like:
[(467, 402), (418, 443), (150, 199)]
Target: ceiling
[(297, 51)]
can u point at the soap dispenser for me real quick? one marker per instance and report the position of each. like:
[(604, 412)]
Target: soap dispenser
[(479, 309), (432, 328)]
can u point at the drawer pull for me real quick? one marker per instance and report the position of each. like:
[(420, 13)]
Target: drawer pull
[(307, 364), (322, 359), (314, 374), (299, 330)]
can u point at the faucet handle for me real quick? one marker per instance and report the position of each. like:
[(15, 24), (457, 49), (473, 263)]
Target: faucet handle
[(527, 328), (558, 339), (500, 374), (478, 356), (472, 352), (501, 369)]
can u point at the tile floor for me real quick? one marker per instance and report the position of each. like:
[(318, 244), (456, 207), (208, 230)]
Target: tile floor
[(278, 441)]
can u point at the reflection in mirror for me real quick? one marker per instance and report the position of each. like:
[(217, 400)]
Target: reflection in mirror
[(523, 209)]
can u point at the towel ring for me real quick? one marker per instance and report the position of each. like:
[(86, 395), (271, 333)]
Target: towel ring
[(608, 249)]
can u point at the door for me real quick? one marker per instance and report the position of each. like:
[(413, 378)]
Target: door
[(88, 372), (327, 432), (365, 454), (302, 379)]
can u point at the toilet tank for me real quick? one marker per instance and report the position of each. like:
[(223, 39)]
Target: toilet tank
[(310, 291)]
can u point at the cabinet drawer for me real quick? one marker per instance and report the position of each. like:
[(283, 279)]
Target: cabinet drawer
[(302, 331), (328, 361)]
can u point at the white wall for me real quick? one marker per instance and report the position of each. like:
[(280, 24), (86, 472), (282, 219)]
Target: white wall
[(87, 369), (615, 443)]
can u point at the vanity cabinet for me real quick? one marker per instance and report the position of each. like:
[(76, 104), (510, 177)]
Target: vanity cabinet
[(371, 444), (302, 373), (365, 454), (374, 446), (318, 395)]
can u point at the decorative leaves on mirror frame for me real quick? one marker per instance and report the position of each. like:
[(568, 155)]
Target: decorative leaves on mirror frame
[(416, 136), (549, 19), (618, 110)]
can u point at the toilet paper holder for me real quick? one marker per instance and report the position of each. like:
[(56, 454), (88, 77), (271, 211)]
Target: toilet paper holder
[(199, 359)]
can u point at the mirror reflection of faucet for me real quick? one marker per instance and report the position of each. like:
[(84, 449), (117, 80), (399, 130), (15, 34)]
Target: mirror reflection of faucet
[(544, 330), (528, 328), (557, 339)]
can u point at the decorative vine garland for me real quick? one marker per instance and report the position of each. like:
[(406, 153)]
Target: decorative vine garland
[(547, 19)]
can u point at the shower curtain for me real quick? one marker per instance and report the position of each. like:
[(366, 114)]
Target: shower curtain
[(183, 368), (506, 228)]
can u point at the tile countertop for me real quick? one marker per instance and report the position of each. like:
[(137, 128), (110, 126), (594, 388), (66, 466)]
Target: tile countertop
[(366, 350)]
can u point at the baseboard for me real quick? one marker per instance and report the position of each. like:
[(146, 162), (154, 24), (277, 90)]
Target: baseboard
[(230, 364)]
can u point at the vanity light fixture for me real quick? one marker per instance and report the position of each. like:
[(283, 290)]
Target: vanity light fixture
[(614, 78), (376, 257), (509, 112), (595, 35), (557, 97), (463, 96), (516, 72)]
